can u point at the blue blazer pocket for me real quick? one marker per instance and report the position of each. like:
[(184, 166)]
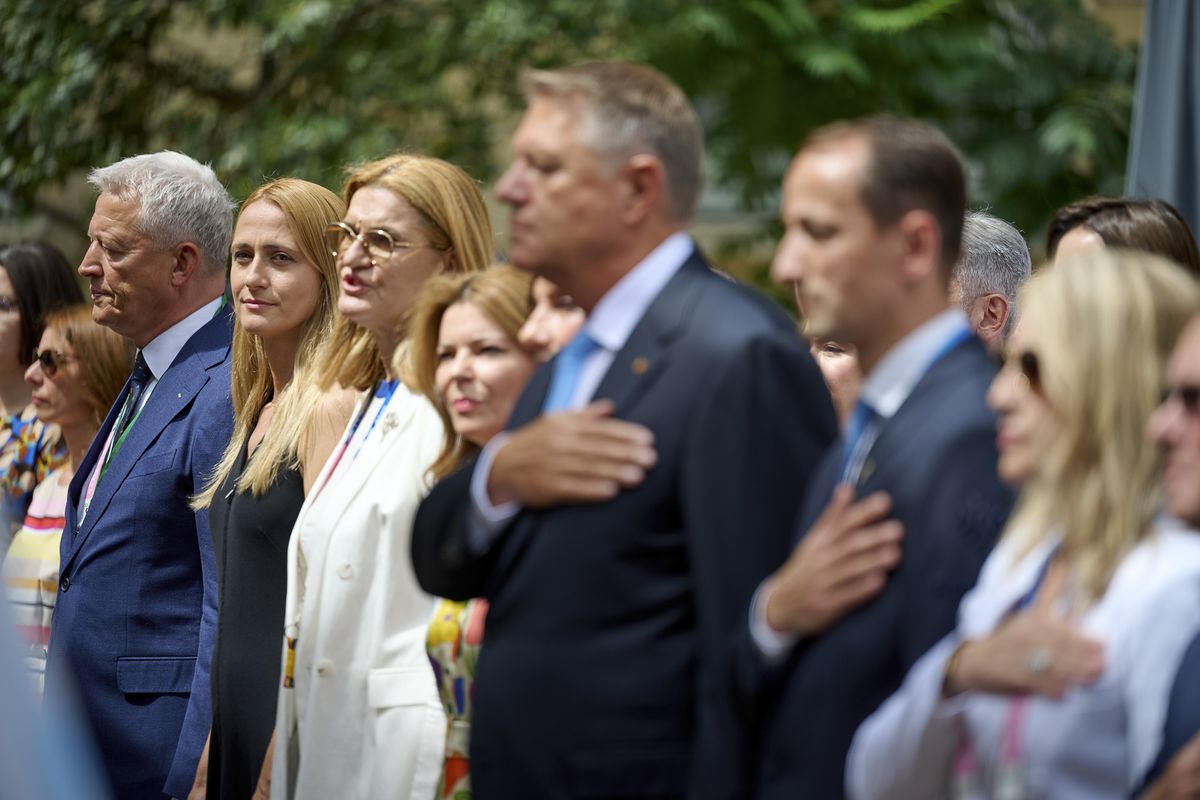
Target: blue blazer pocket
[(149, 464), (155, 674)]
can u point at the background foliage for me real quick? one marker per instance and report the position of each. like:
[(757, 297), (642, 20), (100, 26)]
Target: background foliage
[(1035, 92)]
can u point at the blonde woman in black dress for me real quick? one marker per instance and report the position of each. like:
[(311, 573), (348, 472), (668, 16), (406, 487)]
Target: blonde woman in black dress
[(284, 291)]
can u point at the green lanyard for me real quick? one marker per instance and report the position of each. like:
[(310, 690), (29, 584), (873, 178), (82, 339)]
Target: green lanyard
[(112, 451)]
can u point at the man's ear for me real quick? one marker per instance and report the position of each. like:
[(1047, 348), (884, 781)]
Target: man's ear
[(989, 314), (643, 184), (185, 264), (921, 240)]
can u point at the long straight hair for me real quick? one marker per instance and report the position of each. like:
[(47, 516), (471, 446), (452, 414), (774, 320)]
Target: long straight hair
[(308, 209), (1105, 328)]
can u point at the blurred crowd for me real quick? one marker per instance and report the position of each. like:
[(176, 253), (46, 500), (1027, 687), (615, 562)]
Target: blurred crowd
[(312, 498)]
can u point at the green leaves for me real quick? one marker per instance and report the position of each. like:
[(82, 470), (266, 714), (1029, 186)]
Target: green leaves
[(1035, 92)]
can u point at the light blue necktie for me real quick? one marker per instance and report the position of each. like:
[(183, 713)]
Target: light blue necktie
[(860, 422), (567, 366)]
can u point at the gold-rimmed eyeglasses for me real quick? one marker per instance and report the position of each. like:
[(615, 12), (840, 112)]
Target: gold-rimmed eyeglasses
[(379, 244)]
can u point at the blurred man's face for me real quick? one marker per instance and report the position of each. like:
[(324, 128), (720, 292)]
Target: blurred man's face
[(564, 201), (840, 264), (1175, 427)]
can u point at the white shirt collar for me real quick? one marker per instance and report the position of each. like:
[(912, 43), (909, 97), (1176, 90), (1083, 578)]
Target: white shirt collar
[(622, 307), (902, 367), (163, 349)]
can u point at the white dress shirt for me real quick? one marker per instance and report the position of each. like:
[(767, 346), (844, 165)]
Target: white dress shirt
[(1097, 741), (884, 390), (610, 325), (160, 354)]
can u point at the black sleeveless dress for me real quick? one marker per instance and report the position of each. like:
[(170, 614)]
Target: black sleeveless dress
[(250, 538)]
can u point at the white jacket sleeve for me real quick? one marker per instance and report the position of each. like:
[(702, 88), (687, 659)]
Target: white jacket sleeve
[(906, 749)]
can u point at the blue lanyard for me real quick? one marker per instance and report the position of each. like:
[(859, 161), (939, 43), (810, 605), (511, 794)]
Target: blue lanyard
[(384, 389)]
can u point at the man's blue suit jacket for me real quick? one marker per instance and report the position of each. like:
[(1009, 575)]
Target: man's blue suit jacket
[(605, 669), (136, 616), (937, 458)]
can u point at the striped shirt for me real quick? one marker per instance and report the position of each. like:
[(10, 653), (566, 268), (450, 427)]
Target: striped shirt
[(31, 570)]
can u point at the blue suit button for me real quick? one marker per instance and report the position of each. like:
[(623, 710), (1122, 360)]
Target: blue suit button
[(64, 584)]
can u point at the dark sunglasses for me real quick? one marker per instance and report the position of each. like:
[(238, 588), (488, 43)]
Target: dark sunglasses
[(1188, 396), (1027, 364), (50, 360), (7, 304)]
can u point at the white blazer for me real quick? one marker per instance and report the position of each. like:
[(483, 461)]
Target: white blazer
[(363, 719), (1097, 741)]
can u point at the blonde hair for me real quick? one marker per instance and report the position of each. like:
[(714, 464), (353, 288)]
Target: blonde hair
[(105, 357), (500, 292), (457, 223), (308, 209), (1106, 325)]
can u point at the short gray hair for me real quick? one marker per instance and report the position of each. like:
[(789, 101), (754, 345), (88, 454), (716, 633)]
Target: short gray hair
[(995, 260), (180, 200), (631, 108)]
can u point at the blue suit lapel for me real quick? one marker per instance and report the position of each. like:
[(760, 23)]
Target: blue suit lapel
[(174, 392)]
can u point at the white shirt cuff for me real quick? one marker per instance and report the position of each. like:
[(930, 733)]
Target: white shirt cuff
[(487, 519), (772, 645)]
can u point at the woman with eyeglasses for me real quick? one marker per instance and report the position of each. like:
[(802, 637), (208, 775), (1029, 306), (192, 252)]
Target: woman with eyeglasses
[(284, 289), (359, 714), (78, 370), (35, 279), (1055, 682)]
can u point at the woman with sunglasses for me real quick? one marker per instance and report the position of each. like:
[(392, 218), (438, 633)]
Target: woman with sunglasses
[(284, 288), (1055, 683), (35, 279), (78, 370), (359, 715)]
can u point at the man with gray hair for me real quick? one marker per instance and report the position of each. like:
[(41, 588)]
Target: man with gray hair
[(606, 670), (136, 612), (994, 265)]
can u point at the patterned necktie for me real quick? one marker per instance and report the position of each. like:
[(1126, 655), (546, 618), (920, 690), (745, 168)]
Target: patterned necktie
[(567, 365), (138, 382), (860, 422)]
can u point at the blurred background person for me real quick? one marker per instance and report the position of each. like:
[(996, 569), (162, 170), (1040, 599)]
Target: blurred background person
[(842, 372), (78, 370), (993, 266), (1146, 224), (1054, 683), (35, 279), (467, 360), (359, 713), (284, 285), (1175, 428), (554, 321)]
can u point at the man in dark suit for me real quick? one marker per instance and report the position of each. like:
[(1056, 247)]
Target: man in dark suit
[(605, 671), (1175, 428), (136, 613), (873, 212)]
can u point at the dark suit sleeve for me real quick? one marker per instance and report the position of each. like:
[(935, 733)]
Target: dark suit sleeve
[(213, 415), (1183, 713), (445, 564), (953, 527), (751, 448)]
